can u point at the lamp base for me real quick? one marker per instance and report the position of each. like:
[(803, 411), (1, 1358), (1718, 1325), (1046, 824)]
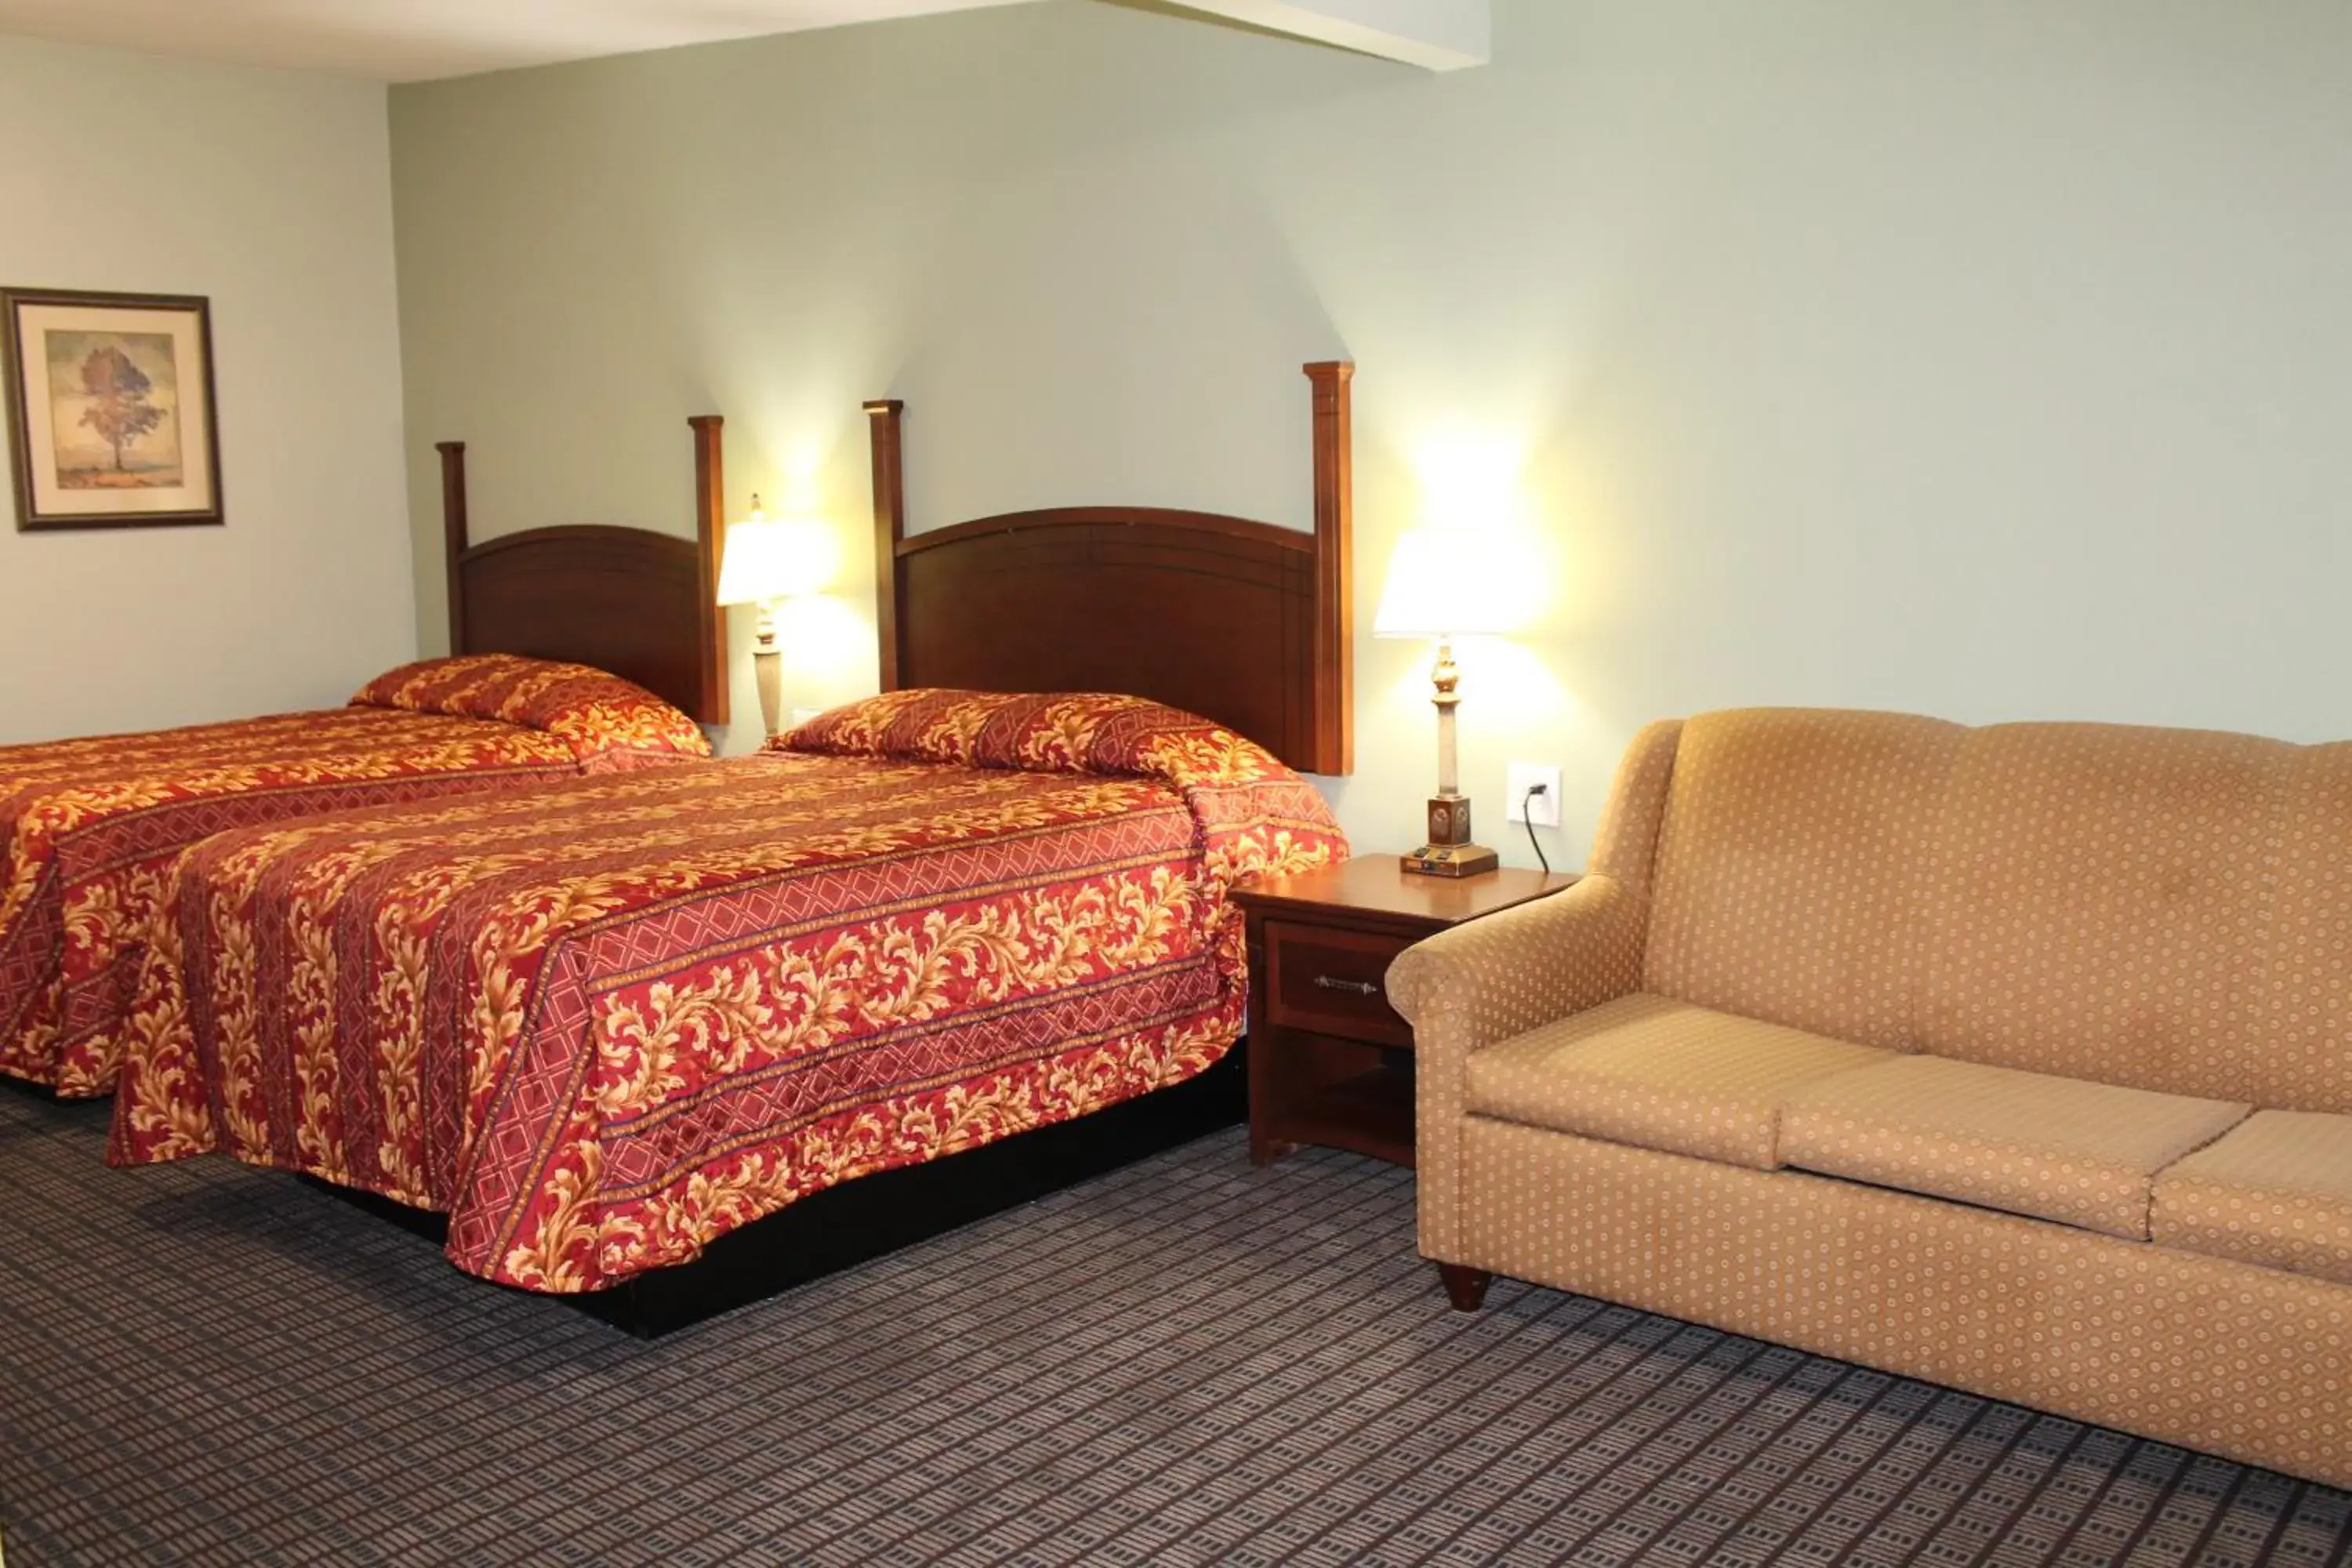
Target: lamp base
[(768, 664), (1449, 852), (1450, 860)]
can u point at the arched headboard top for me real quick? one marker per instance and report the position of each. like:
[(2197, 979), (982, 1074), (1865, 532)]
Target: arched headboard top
[(641, 603), (1240, 621)]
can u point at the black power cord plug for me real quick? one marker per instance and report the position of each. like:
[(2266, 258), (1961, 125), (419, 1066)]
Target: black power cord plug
[(1527, 820)]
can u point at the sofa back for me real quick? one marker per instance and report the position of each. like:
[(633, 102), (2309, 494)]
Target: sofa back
[(2164, 909)]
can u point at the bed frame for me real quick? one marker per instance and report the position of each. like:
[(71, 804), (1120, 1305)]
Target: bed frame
[(1240, 621), (640, 604)]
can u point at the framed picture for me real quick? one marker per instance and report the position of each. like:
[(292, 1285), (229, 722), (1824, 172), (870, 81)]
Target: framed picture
[(111, 416)]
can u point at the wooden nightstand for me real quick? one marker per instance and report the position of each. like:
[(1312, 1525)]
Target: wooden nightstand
[(1330, 1060)]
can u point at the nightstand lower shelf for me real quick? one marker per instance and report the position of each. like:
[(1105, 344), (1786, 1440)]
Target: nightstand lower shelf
[(1370, 1113)]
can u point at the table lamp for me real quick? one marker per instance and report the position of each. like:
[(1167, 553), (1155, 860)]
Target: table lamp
[(762, 565), (1443, 587)]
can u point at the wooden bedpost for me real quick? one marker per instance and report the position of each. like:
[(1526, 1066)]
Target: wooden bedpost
[(885, 416), (710, 538), (1335, 588), (453, 532)]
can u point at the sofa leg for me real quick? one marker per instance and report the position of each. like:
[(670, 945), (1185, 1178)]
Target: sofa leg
[(1465, 1286)]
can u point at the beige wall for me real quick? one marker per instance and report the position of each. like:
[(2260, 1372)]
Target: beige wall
[(268, 192), (1985, 357)]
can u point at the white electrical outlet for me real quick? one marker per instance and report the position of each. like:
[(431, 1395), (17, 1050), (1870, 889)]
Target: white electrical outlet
[(1544, 810)]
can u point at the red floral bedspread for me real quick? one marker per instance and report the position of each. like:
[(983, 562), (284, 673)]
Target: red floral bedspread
[(603, 1023), (89, 829)]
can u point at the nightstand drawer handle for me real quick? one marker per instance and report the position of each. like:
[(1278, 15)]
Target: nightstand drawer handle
[(1360, 987)]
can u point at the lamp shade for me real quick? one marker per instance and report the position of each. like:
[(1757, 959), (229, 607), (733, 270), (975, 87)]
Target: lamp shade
[(768, 559), (1447, 585)]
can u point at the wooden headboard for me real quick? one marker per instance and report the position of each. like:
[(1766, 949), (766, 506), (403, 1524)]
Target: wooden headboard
[(1245, 622), (644, 606)]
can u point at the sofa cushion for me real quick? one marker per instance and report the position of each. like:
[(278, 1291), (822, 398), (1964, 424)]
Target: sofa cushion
[(2277, 1190), (2053, 1148), (1660, 1074), (1791, 866), (2101, 901)]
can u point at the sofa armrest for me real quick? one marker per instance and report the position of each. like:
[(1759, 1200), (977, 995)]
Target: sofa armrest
[(1487, 981)]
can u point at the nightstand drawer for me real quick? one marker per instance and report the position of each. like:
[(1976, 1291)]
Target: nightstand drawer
[(1329, 981)]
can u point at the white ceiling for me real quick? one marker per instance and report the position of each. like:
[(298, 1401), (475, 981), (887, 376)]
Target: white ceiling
[(412, 40)]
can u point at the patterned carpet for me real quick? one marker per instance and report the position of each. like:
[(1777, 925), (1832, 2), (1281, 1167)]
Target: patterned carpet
[(1189, 1361)]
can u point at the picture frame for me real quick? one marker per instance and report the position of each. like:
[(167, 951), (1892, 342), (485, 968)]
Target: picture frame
[(112, 418)]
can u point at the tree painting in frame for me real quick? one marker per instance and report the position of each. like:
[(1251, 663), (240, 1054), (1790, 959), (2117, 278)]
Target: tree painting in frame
[(111, 416)]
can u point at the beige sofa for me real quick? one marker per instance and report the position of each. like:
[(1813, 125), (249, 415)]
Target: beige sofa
[(2018, 1059)]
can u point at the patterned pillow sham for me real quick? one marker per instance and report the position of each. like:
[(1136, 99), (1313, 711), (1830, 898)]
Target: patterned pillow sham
[(609, 723), (1256, 814), (1046, 732)]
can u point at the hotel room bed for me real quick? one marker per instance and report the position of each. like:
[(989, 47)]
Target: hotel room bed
[(598, 1027), (577, 649), (608, 1025), (89, 829)]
